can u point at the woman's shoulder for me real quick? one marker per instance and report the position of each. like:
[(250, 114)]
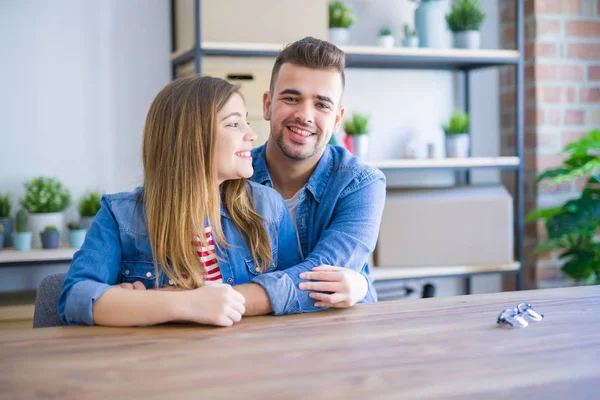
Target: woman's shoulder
[(127, 209)]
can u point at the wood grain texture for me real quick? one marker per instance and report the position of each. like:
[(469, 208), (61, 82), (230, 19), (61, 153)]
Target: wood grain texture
[(428, 348)]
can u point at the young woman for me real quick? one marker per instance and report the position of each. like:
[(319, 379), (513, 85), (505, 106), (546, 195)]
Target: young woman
[(196, 224)]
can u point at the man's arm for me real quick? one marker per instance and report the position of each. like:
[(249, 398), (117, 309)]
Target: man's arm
[(347, 242)]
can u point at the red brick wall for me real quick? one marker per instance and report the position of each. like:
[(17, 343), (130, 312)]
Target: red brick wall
[(562, 102)]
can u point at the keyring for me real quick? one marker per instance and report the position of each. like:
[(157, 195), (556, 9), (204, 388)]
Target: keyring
[(527, 310), (512, 317)]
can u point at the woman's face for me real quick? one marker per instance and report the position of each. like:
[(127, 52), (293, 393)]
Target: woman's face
[(234, 141)]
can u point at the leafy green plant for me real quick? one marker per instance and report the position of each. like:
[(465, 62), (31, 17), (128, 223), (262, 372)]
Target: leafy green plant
[(385, 31), (466, 15), (572, 226), (50, 228), (357, 125), (4, 206), (409, 31), (459, 123), (340, 15), (74, 226), (45, 195), (90, 204), (21, 222)]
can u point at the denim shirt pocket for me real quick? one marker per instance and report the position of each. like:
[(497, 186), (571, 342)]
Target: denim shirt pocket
[(132, 271), (254, 269)]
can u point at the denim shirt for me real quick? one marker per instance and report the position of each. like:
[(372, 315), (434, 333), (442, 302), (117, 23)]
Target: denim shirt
[(338, 219), (117, 249)]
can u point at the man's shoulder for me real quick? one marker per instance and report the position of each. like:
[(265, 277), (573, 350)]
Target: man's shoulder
[(349, 166), (267, 201)]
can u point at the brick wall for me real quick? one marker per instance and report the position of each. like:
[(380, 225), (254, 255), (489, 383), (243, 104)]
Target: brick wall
[(562, 102)]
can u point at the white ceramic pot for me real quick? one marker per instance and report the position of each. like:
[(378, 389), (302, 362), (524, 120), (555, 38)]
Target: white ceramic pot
[(467, 40), (457, 146), (386, 41), (37, 223), (339, 36), (361, 146)]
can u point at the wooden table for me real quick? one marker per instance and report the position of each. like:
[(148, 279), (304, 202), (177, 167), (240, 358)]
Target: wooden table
[(428, 348)]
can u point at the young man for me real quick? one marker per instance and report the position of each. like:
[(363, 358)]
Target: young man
[(335, 200)]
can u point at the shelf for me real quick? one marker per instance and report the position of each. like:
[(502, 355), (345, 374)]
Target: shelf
[(446, 163), (371, 57), (11, 256), (398, 273)]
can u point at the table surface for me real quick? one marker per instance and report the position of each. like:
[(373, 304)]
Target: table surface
[(427, 348)]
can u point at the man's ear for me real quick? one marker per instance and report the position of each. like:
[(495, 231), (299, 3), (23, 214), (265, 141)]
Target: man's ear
[(267, 106), (339, 116)]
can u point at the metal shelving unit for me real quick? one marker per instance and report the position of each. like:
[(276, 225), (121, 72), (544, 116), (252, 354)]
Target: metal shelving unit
[(458, 60)]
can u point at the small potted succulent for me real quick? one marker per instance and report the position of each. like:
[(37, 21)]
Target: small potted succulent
[(76, 235), (46, 200), (6, 221), (1, 237), (88, 208), (464, 21), (341, 18), (457, 135), (410, 36), (357, 129), (50, 237), (386, 39), (21, 237)]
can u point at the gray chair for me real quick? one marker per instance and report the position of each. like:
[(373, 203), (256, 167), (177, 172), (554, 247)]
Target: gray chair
[(45, 313)]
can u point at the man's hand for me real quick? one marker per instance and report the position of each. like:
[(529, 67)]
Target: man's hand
[(334, 286)]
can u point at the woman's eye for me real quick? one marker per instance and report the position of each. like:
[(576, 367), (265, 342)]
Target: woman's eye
[(234, 124)]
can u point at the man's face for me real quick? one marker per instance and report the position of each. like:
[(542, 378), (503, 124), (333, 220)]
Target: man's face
[(304, 110)]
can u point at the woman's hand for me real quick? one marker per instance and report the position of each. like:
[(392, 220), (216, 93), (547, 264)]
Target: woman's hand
[(335, 287), (215, 304)]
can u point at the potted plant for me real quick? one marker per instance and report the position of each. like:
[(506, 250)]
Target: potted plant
[(1, 237), (410, 37), (457, 135), (430, 23), (46, 200), (6, 221), (464, 21), (572, 226), (21, 237), (88, 208), (357, 129), (386, 39), (50, 237), (76, 235), (341, 18)]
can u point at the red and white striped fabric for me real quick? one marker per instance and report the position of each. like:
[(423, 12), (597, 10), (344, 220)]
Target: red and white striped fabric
[(208, 258)]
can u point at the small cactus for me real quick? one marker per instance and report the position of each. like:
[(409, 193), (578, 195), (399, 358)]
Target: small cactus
[(73, 226), (21, 222), (1, 229), (50, 228)]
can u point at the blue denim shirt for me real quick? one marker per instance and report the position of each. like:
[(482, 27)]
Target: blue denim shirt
[(117, 249), (338, 218)]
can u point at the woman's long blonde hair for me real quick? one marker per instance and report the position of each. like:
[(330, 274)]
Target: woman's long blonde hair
[(181, 190)]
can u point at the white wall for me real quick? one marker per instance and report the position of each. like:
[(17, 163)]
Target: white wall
[(77, 79)]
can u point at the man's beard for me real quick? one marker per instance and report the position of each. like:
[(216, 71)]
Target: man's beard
[(296, 152)]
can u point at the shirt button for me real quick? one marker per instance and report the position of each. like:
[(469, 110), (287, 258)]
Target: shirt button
[(257, 269), (230, 281), (171, 282), (126, 272), (148, 274)]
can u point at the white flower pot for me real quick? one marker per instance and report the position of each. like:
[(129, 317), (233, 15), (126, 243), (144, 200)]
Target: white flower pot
[(37, 223), (361, 146), (339, 36), (457, 146), (386, 41), (430, 21), (467, 40)]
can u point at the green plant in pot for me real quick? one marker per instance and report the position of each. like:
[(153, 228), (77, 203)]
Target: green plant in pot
[(88, 208), (6, 221), (50, 237), (341, 17), (572, 226), (357, 129), (76, 235), (1, 237), (386, 39), (457, 135), (21, 237), (464, 20), (410, 37), (45, 199)]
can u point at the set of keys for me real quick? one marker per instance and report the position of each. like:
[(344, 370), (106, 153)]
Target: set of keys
[(518, 316)]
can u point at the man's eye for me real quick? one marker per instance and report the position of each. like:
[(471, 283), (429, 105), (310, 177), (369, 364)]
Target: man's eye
[(289, 98), (323, 105)]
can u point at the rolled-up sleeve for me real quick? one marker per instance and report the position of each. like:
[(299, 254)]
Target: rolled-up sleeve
[(94, 269)]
